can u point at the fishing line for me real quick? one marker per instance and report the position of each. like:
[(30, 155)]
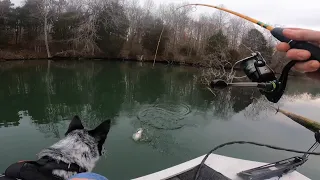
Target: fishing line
[(235, 77), (252, 143), (312, 149)]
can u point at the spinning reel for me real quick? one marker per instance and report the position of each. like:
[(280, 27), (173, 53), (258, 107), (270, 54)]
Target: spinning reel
[(262, 77)]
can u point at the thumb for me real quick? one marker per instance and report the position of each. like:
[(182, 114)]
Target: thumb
[(302, 34)]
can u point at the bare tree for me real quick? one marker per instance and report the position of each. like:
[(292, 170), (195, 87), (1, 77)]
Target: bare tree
[(220, 18), (135, 14), (177, 21), (206, 27), (45, 7), (235, 29), (86, 34), (148, 6)]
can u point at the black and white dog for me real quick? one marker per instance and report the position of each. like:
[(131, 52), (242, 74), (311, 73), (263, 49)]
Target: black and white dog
[(78, 152)]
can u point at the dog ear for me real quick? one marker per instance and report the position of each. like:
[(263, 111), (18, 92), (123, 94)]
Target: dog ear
[(102, 130), (74, 124), (100, 133)]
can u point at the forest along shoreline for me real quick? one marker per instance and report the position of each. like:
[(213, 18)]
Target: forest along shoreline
[(129, 30)]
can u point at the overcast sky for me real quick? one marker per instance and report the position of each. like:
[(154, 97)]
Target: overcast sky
[(294, 13), (302, 13)]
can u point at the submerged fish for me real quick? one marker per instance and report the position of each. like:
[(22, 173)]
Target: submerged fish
[(137, 135)]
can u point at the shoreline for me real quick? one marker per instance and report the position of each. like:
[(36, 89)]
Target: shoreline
[(101, 59), (167, 62)]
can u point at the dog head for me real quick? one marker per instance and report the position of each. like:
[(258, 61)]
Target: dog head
[(80, 146), (99, 134)]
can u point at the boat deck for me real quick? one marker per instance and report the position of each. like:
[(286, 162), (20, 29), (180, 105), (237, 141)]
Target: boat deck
[(206, 173), (217, 167)]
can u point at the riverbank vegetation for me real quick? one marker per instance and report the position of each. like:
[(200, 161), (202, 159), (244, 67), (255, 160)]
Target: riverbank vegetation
[(129, 29)]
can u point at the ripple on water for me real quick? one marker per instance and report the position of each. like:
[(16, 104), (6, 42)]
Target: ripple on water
[(164, 116)]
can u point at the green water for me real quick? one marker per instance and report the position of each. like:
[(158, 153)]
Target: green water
[(182, 120)]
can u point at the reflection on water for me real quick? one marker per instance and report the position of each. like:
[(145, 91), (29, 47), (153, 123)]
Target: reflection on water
[(102, 92), (181, 119)]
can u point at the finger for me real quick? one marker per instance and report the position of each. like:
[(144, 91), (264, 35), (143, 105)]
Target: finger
[(309, 66), (284, 47), (298, 54), (302, 34)]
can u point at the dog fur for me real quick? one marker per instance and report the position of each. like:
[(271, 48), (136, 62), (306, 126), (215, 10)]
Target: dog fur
[(80, 146)]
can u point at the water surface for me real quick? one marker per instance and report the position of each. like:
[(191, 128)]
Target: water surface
[(182, 120)]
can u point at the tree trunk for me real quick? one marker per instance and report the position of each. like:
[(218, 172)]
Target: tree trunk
[(16, 29), (46, 36)]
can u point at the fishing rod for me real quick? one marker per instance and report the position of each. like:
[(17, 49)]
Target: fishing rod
[(256, 68), (310, 124), (277, 32)]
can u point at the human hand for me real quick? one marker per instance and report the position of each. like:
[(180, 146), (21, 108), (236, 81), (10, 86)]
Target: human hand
[(299, 54)]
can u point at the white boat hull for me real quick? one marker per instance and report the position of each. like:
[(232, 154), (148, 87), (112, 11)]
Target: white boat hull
[(227, 166)]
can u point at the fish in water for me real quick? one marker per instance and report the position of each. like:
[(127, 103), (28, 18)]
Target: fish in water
[(137, 135)]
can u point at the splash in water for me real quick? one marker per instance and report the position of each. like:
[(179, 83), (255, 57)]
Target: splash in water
[(164, 116)]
